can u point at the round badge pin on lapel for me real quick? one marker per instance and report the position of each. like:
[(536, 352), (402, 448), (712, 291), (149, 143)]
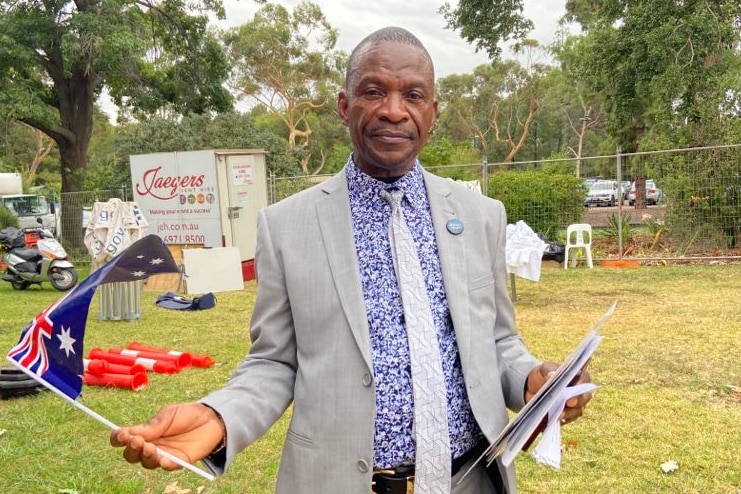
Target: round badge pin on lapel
[(455, 226)]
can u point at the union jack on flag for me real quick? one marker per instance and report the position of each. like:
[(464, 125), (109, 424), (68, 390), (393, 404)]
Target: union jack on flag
[(50, 348)]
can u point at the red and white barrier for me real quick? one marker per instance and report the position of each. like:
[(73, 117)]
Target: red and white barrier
[(197, 360), (154, 365)]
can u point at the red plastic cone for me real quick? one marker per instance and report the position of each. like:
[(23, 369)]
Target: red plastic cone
[(197, 359), (159, 366), (182, 361), (100, 367), (134, 382)]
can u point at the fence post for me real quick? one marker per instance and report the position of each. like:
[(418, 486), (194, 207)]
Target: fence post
[(271, 187), (485, 176), (619, 175)]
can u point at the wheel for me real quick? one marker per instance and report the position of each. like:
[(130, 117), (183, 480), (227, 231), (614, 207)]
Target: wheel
[(20, 285), (64, 279)]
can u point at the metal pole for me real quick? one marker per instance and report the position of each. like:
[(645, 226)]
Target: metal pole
[(619, 174), (485, 177)]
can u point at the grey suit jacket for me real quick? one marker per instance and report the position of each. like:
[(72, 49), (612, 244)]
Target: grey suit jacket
[(311, 345)]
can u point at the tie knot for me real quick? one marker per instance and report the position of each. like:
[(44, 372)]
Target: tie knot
[(393, 197)]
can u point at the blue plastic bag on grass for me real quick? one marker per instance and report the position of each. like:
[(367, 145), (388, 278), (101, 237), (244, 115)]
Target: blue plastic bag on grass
[(176, 302)]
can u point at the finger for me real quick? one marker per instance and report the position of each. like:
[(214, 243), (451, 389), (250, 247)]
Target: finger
[(586, 364), (570, 415), (149, 457), (579, 401), (132, 454), (119, 438)]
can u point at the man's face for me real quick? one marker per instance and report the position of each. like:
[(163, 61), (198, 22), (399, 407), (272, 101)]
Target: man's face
[(389, 107)]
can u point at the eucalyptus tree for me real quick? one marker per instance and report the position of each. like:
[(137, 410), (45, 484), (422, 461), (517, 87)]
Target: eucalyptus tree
[(24, 149), (56, 57), (287, 63), (496, 105)]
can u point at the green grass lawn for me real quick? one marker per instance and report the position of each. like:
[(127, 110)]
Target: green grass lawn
[(668, 370)]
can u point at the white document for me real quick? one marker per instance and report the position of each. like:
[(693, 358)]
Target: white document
[(547, 405)]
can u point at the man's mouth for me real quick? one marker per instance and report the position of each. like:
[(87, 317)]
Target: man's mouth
[(393, 137)]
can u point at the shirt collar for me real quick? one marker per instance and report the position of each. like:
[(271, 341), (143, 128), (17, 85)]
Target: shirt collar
[(412, 183)]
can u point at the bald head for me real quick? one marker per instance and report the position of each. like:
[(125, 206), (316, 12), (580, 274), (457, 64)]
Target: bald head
[(390, 34)]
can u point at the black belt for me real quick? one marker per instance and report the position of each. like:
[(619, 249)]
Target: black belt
[(400, 480)]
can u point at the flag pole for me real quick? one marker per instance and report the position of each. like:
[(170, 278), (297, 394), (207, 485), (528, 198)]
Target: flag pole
[(105, 421)]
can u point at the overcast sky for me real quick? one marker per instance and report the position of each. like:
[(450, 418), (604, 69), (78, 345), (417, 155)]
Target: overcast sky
[(354, 19)]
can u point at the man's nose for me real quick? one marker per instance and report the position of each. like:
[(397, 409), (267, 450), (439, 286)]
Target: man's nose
[(394, 108)]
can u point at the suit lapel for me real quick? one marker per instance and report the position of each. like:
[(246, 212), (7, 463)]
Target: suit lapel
[(452, 251), (335, 223)]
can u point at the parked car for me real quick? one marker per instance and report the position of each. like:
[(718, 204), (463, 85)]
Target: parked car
[(653, 193), (602, 193)]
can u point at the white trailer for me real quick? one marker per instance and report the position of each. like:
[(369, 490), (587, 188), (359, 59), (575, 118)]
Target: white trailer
[(208, 198)]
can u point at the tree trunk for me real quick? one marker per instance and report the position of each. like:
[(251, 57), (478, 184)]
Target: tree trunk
[(640, 193), (76, 99)]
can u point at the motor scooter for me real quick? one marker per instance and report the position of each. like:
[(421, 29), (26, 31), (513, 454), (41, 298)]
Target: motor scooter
[(46, 260)]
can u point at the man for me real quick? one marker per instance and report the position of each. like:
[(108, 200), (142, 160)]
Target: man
[(328, 328)]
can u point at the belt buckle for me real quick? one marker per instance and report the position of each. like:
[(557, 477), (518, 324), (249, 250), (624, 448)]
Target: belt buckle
[(409, 479)]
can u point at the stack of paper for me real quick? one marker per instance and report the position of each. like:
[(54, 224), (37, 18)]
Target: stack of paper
[(546, 406)]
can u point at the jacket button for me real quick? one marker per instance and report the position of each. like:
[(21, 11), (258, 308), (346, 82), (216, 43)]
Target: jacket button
[(362, 466), (367, 380)]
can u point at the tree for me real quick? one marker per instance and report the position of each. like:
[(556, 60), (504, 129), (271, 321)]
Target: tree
[(56, 57), (25, 150), (488, 23), (579, 107), (656, 62), (287, 63), (660, 65), (496, 105), (223, 131)]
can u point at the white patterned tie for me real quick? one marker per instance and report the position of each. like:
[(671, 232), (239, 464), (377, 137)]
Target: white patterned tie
[(432, 463)]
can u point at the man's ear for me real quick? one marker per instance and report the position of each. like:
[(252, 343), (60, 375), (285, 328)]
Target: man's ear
[(342, 105)]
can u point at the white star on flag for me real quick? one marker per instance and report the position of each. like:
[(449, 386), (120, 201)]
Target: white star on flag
[(67, 341)]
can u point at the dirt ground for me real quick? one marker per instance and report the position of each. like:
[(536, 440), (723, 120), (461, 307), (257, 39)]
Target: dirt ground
[(599, 217)]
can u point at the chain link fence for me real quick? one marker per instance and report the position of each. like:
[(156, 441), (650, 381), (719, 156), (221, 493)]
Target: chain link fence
[(71, 227), (678, 204)]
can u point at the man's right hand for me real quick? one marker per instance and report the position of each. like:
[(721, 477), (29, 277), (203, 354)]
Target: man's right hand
[(189, 431)]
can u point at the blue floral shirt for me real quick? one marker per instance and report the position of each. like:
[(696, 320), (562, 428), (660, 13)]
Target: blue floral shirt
[(394, 440)]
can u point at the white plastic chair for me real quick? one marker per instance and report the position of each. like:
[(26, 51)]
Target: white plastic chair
[(578, 238)]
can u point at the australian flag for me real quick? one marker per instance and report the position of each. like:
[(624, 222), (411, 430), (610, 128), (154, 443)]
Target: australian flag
[(50, 348)]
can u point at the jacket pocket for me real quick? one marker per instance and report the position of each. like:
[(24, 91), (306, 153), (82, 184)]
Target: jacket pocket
[(299, 439), (484, 281)]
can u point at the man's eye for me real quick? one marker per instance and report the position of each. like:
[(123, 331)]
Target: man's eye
[(373, 93), (415, 96)]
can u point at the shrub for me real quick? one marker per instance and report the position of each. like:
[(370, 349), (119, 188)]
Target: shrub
[(617, 226), (547, 202), (7, 218)]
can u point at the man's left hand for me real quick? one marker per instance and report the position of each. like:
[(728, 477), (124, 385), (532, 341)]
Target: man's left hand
[(575, 406)]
